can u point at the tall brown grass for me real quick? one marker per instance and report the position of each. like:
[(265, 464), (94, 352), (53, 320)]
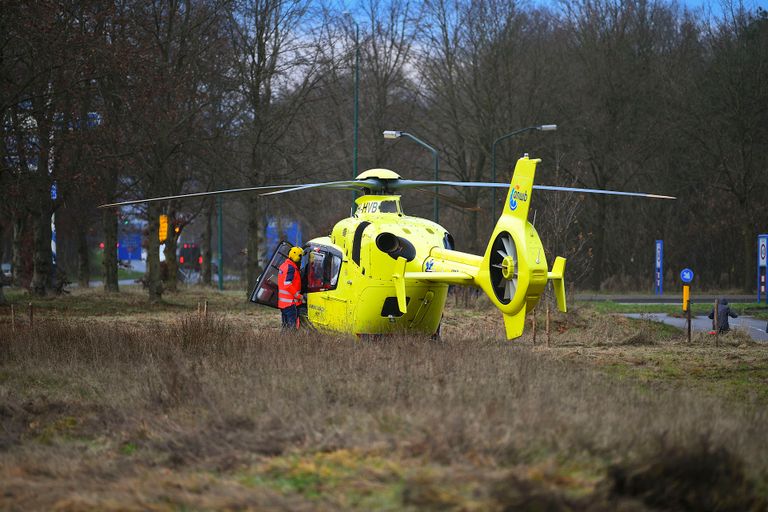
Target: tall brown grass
[(203, 391)]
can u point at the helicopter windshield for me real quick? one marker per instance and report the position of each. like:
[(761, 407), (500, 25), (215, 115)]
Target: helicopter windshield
[(321, 268)]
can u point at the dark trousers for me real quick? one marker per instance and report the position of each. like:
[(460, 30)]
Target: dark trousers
[(290, 316)]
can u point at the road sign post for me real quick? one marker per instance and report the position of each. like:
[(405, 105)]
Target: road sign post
[(762, 266), (686, 276), (659, 273)]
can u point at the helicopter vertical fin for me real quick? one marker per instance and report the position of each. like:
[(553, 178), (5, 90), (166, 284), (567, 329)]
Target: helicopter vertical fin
[(558, 282), (519, 196), (399, 279), (515, 323)]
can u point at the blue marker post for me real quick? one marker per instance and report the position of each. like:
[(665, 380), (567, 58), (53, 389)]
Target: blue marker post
[(54, 197), (659, 279), (762, 266), (686, 276)]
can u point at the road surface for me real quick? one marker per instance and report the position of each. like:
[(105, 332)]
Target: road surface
[(668, 298), (754, 327)]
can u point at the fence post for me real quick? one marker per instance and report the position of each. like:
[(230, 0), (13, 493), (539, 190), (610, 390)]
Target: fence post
[(717, 325)]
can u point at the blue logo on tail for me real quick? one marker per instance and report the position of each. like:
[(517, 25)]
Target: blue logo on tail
[(515, 196)]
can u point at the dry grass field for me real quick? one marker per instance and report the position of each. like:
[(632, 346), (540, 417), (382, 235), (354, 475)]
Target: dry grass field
[(108, 404)]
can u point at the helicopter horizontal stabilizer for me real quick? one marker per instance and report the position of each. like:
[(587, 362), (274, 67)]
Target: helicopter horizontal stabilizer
[(514, 323), (558, 282)]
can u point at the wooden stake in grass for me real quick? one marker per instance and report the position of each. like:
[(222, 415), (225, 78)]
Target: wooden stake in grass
[(198, 309), (13, 319), (534, 326), (717, 324), (205, 309), (547, 325), (31, 315)]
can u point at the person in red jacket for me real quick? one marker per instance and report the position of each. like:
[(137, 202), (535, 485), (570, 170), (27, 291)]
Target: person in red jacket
[(289, 296)]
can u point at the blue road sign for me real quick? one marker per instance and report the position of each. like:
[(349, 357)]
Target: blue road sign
[(762, 265), (659, 268), (129, 247), (282, 229), (686, 275)]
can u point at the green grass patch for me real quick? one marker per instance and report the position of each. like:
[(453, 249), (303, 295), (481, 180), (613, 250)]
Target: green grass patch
[(349, 478)]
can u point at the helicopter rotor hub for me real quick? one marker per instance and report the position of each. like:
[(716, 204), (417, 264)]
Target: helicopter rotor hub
[(508, 267)]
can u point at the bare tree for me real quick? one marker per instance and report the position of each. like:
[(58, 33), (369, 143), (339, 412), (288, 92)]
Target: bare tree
[(275, 65)]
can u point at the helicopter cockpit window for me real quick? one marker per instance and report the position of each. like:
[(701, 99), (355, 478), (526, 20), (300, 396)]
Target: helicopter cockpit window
[(322, 269), (388, 207)]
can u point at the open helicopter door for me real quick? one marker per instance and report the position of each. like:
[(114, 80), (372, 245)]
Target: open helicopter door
[(265, 291)]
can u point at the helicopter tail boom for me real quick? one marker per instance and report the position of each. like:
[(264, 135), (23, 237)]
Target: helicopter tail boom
[(513, 272)]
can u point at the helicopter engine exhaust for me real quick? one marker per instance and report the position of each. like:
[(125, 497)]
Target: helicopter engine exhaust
[(395, 246)]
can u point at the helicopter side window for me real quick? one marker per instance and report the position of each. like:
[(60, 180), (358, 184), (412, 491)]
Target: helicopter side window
[(322, 270)]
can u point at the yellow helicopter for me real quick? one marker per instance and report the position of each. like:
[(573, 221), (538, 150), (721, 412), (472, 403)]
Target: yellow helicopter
[(381, 271)]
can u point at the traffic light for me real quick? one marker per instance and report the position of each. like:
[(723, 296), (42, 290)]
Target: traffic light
[(163, 230)]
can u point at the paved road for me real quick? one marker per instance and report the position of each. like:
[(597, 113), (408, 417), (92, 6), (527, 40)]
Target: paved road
[(754, 327), (667, 298)]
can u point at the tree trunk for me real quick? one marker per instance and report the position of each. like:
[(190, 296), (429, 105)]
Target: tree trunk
[(41, 259), (109, 262), (748, 238), (3, 281), (17, 250), (169, 251), (207, 242), (252, 263), (83, 257), (154, 284), (599, 245)]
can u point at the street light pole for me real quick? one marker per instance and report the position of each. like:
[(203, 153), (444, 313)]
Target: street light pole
[(357, 101), (396, 134), (541, 127)]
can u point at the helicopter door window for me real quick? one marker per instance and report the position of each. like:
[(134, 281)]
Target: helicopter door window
[(322, 270)]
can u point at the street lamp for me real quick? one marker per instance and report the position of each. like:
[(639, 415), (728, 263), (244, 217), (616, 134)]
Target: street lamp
[(396, 134), (541, 128)]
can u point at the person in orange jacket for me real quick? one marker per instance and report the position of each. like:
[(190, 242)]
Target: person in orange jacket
[(289, 296)]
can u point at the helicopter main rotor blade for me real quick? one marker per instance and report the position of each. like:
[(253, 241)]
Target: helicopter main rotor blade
[(598, 191), (452, 200), (505, 186), (337, 185), (195, 194)]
